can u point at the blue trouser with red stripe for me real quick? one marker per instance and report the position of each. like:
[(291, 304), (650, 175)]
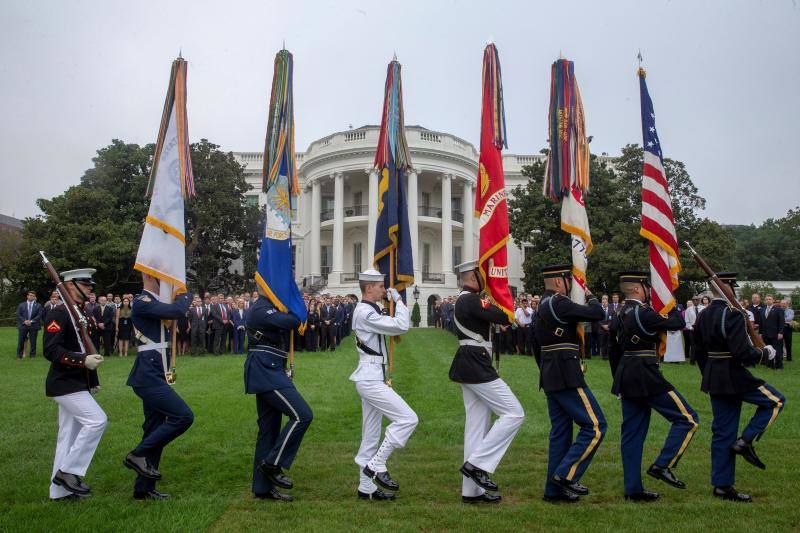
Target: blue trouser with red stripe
[(636, 422), (725, 427), (567, 459)]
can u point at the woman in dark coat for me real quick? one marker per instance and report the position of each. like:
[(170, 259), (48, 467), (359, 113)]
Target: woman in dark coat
[(312, 327)]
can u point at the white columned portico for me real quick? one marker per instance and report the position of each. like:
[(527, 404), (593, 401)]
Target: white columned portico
[(447, 227), (468, 201), (338, 227), (316, 213), (372, 219), (413, 203)]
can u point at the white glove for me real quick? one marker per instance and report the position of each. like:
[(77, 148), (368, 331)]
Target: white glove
[(392, 293), (770, 352), (92, 361)]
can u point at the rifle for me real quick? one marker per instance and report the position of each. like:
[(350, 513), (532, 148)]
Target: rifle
[(78, 318), (727, 293)]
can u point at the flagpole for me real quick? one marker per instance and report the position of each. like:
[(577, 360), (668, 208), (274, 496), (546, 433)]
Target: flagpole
[(291, 354), (391, 312), (173, 356)]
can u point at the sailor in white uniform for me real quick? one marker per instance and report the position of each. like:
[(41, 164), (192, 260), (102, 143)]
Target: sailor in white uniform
[(377, 398)]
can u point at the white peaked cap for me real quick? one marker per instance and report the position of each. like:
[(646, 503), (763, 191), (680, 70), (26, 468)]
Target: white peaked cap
[(371, 275), (79, 274), (468, 266)]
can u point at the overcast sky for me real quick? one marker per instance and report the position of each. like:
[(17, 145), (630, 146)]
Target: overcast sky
[(724, 77)]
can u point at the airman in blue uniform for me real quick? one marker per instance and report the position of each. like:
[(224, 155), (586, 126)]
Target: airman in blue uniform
[(166, 415), (265, 375)]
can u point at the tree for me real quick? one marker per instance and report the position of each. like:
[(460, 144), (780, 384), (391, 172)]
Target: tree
[(770, 251), (748, 288), (99, 222), (613, 206)]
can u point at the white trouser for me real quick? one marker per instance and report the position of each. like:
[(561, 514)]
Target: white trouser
[(484, 447), (81, 422), (379, 400)]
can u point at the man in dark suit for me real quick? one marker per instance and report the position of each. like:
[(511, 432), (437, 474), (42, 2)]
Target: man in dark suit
[(756, 307), (219, 320), (29, 318), (52, 303), (105, 316), (209, 336), (327, 313), (198, 322), (602, 334), (771, 329), (338, 320)]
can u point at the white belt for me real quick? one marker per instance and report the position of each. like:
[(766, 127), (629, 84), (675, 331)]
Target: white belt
[(364, 358), (152, 346), (487, 345)]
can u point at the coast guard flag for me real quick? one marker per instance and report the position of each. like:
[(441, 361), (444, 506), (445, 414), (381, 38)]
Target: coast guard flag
[(162, 250), (392, 160), (658, 224), (275, 274)]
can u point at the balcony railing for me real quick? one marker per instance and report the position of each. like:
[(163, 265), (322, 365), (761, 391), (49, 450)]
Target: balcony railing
[(429, 211), (349, 277), (327, 214), (458, 216), (432, 277), (356, 211)]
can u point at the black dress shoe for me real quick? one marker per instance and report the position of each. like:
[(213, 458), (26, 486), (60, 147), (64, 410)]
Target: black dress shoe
[(382, 478), (149, 495), (486, 497), (275, 475), (564, 497), (378, 495), (273, 494), (644, 496), (748, 452), (570, 486), (665, 475), (71, 482), (480, 477), (140, 465), (731, 494)]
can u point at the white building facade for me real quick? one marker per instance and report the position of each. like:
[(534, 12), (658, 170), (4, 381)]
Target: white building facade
[(333, 226)]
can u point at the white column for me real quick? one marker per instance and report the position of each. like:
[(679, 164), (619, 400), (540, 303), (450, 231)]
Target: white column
[(468, 203), (413, 203), (447, 225), (372, 219), (316, 212), (338, 226)]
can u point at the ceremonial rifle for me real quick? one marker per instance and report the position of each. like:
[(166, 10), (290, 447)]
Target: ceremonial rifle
[(77, 316), (727, 293)]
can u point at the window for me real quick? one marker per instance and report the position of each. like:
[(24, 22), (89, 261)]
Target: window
[(425, 209), (426, 199), (326, 258), (456, 255), (356, 257), (455, 204), (527, 252), (426, 258)]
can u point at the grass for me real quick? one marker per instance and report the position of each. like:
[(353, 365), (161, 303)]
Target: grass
[(207, 470)]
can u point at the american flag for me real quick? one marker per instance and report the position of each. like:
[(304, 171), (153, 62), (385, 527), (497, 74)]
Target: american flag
[(658, 224)]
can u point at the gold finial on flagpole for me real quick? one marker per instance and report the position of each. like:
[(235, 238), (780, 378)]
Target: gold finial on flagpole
[(394, 55), (640, 71)]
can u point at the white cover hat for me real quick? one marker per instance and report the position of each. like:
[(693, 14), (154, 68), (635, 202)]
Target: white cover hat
[(371, 275)]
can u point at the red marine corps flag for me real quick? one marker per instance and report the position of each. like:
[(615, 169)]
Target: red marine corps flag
[(490, 199)]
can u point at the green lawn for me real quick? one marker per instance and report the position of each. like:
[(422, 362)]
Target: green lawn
[(208, 469)]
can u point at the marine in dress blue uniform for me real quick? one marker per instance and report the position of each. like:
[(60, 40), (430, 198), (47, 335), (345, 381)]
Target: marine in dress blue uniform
[(265, 375), (641, 386), (724, 351), (569, 399), (166, 415)]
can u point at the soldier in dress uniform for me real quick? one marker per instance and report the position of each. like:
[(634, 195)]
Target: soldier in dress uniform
[(265, 375), (723, 351), (378, 399), (71, 382), (638, 381), (569, 399), (484, 392), (166, 415)]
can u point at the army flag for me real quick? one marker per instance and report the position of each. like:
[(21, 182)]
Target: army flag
[(274, 274), (393, 256), (162, 250), (567, 170), (658, 223), (490, 195)]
